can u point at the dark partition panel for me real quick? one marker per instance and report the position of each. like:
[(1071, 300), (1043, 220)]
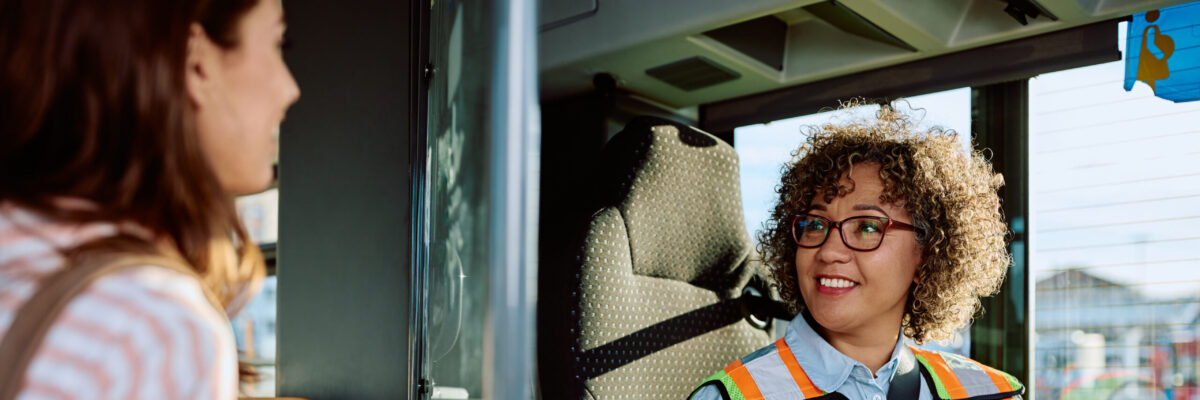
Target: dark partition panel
[(345, 189), (1000, 337)]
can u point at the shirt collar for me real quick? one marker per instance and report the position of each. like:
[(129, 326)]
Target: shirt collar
[(826, 366)]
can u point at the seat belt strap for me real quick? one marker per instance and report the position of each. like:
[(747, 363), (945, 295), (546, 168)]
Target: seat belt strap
[(906, 381)]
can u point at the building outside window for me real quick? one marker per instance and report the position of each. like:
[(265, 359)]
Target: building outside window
[(1114, 200)]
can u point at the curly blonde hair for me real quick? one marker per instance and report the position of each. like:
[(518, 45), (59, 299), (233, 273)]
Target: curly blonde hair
[(950, 193)]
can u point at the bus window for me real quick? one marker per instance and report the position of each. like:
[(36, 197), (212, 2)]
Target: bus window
[(254, 329), (254, 325), (1114, 191), (764, 148)]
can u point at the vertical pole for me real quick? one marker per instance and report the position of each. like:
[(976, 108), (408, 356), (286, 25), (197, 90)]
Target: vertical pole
[(509, 346), (1000, 121)]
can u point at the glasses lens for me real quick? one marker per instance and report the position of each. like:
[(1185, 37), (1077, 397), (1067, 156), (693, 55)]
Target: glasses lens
[(864, 233), (810, 231)]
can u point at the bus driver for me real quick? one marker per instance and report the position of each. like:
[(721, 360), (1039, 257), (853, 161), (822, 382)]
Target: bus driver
[(881, 232)]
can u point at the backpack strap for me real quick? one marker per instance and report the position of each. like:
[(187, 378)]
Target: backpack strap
[(906, 380), (34, 319)]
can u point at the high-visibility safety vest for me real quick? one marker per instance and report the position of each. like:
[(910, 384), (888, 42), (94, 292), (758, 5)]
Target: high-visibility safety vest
[(952, 377)]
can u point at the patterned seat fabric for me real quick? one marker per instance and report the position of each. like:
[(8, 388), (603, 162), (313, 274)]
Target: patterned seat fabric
[(653, 306)]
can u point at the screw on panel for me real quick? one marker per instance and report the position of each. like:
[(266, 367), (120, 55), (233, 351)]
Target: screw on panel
[(429, 71)]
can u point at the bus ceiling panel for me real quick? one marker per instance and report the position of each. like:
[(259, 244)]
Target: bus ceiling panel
[(955, 24), (982, 24), (1116, 8), (1076, 47), (848, 21), (821, 39), (926, 25), (620, 24), (817, 49), (763, 39), (556, 13)]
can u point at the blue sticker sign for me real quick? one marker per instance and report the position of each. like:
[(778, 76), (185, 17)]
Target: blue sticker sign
[(1163, 51)]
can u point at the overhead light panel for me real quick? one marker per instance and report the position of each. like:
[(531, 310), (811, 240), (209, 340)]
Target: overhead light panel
[(693, 73)]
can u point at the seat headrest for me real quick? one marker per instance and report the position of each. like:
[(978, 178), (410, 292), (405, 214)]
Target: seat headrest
[(678, 192)]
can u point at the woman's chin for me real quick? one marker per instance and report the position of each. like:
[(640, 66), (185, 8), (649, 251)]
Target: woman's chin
[(251, 185), (832, 320)]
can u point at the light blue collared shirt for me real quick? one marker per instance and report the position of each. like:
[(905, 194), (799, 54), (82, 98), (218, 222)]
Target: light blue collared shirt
[(829, 369)]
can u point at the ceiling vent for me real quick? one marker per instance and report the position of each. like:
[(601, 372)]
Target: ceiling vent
[(693, 73), (763, 39)]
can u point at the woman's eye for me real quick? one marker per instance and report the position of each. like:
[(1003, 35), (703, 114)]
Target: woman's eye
[(869, 227)]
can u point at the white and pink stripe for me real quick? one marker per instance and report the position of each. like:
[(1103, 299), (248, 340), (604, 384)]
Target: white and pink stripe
[(142, 333)]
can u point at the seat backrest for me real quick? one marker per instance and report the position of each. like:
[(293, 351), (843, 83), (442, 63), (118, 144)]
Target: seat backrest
[(653, 306)]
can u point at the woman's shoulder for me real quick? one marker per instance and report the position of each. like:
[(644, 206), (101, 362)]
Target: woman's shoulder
[(142, 331), (145, 330), (720, 384), (956, 375)]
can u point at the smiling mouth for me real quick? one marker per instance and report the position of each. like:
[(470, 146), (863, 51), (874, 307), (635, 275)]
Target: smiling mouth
[(835, 286), (836, 283)]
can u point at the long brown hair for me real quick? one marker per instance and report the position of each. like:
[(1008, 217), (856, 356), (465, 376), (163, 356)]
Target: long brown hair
[(93, 106)]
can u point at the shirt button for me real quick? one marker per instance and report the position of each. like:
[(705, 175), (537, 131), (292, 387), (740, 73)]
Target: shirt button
[(876, 397)]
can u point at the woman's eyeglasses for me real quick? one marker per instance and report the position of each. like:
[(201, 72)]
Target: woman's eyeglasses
[(863, 233)]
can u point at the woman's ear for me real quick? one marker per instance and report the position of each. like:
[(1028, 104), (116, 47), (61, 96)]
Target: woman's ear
[(200, 65)]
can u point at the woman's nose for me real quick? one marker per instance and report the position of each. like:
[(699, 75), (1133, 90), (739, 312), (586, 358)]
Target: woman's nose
[(834, 250)]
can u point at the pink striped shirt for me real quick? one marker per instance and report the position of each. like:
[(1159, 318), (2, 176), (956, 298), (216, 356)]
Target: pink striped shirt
[(142, 333)]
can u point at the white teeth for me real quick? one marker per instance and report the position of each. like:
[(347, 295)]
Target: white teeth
[(836, 283)]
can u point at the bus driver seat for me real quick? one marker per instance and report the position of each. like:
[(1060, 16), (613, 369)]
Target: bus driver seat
[(656, 305)]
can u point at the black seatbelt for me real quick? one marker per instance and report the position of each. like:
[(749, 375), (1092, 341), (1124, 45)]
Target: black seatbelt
[(906, 382)]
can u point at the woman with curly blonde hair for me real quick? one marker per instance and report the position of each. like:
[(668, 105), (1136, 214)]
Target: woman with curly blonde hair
[(882, 231)]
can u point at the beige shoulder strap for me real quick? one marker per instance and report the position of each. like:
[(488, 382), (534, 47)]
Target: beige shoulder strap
[(35, 317)]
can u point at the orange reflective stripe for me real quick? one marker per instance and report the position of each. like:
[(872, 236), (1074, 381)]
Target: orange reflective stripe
[(743, 380), (998, 379), (801, 378), (953, 387)]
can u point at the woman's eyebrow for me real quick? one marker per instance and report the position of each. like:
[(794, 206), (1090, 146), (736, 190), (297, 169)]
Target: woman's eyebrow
[(864, 207)]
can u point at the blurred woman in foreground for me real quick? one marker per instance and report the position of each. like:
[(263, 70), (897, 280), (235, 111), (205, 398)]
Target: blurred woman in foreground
[(126, 129)]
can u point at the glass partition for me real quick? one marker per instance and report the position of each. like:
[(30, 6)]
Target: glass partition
[(1115, 193), (459, 156), (479, 209)]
